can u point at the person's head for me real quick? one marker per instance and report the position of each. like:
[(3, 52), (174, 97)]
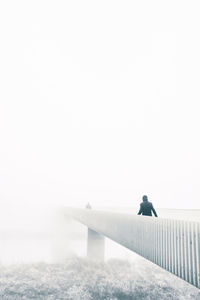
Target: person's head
[(145, 198)]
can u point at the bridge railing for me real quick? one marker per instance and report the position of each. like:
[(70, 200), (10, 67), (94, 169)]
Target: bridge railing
[(172, 244)]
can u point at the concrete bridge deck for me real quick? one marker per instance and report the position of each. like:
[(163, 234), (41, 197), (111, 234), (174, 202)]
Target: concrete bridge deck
[(172, 244)]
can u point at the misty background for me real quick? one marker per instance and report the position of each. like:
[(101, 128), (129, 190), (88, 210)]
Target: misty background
[(99, 102)]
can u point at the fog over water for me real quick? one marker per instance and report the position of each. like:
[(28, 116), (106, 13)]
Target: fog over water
[(50, 237)]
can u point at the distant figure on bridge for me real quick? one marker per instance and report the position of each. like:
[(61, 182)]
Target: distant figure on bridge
[(146, 207), (88, 206)]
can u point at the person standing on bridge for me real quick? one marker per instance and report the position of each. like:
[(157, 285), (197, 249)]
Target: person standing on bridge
[(88, 206), (146, 207)]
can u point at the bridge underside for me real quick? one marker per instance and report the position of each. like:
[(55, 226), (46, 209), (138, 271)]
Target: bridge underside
[(172, 244), (95, 245)]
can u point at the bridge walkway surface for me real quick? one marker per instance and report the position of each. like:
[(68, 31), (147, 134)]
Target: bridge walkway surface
[(171, 244)]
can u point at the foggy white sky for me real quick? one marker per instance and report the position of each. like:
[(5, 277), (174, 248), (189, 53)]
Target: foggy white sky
[(99, 102)]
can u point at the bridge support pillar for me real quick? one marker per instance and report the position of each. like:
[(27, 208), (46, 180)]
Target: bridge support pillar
[(95, 245)]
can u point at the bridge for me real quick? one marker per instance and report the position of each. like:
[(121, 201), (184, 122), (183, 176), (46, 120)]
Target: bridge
[(171, 244)]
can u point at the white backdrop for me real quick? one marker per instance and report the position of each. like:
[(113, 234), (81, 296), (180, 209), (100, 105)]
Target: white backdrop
[(99, 102)]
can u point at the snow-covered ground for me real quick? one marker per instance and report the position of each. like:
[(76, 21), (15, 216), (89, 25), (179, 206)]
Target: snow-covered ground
[(81, 279)]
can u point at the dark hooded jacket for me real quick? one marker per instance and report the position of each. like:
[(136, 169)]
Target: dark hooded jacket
[(146, 209)]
